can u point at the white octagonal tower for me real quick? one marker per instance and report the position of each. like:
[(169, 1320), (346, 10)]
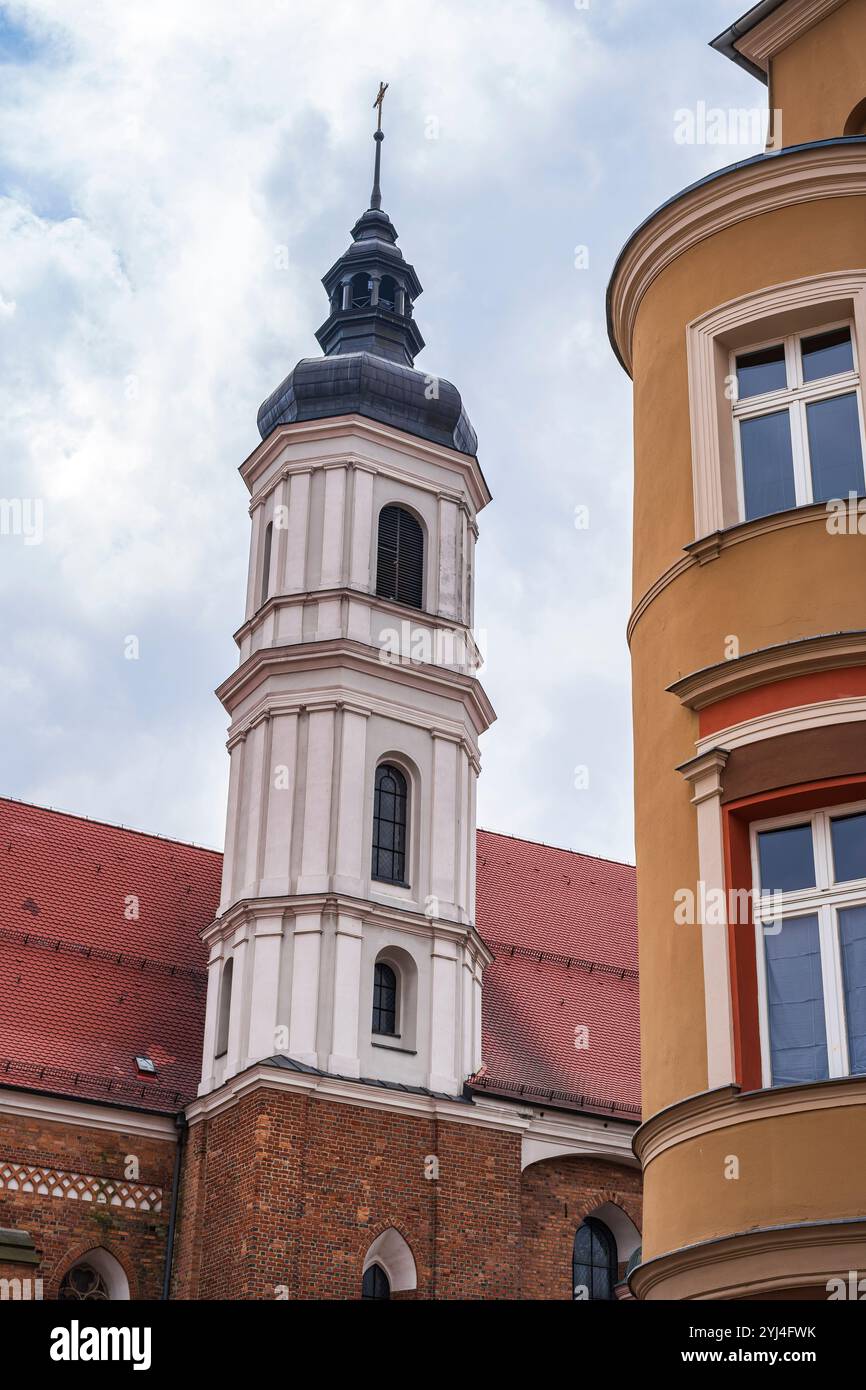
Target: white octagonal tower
[(345, 938)]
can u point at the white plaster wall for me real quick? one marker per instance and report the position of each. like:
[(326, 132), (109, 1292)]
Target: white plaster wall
[(308, 731)]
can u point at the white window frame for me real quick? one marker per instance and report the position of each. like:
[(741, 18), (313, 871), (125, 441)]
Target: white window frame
[(795, 397), (823, 901)]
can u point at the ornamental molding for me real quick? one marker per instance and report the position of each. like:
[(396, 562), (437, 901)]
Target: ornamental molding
[(782, 27), (711, 1111), (360, 463), (93, 1115), (710, 547), (799, 174), (421, 617), (243, 918), (819, 715), (78, 1187), (601, 1136), (350, 655), (802, 657), (271, 706), (770, 1260), (373, 433)]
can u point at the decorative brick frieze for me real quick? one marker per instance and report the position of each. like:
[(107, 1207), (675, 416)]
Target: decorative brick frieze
[(54, 1182)]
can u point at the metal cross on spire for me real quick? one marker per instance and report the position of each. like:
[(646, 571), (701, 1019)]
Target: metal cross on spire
[(380, 97), (378, 136)]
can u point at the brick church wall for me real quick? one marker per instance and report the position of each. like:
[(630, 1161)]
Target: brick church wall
[(283, 1194), (64, 1228), (555, 1197)]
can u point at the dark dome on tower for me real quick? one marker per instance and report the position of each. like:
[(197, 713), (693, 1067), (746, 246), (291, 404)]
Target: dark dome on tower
[(370, 341)]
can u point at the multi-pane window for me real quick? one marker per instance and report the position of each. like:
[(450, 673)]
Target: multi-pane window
[(798, 422), (400, 557), (593, 1262), (384, 999), (810, 915), (389, 826)]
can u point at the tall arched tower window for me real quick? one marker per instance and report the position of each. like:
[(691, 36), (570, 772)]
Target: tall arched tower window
[(389, 825), (266, 560), (225, 1008), (384, 999), (400, 560), (594, 1261)]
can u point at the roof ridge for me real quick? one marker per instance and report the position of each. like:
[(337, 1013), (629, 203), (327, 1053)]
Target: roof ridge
[(560, 849), (110, 824)]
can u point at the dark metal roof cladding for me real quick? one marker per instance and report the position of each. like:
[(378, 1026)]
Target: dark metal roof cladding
[(361, 383), (370, 350)]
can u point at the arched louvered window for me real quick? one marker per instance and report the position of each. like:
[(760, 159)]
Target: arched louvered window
[(225, 1009), (594, 1261), (375, 1283), (389, 825), (400, 560), (384, 999), (266, 560)]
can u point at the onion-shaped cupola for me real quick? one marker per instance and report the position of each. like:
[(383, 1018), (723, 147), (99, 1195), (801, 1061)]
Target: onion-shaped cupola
[(370, 341)]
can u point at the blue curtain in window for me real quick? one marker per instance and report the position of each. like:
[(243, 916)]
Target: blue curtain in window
[(795, 1003), (852, 938)]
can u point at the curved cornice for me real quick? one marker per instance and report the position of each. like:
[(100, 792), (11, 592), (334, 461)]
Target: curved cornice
[(826, 652), (770, 1260), (709, 547), (348, 654), (702, 1114), (764, 183)]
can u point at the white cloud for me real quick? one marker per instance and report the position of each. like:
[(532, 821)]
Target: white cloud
[(151, 159)]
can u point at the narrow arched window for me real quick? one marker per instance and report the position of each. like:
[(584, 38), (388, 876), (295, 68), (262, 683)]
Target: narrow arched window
[(384, 999), (400, 559), (594, 1261), (266, 560), (225, 1009), (389, 825), (375, 1283)]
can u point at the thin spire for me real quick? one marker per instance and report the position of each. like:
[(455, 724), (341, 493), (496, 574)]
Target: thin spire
[(378, 136)]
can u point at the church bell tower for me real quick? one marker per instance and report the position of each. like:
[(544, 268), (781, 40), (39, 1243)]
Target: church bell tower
[(345, 938)]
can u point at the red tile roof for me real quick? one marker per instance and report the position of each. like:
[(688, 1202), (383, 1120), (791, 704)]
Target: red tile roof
[(561, 997), (85, 986)]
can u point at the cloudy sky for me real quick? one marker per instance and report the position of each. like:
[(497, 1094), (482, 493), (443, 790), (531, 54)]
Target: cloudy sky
[(174, 180)]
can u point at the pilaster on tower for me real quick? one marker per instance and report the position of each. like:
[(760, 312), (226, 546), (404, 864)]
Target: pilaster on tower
[(345, 938)]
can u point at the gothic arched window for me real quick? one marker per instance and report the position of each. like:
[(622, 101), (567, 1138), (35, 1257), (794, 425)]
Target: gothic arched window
[(375, 1283), (384, 999), (400, 559), (594, 1262), (389, 825), (83, 1284)]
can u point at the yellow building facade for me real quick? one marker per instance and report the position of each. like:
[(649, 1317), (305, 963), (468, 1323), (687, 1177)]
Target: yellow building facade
[(739, 310)]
